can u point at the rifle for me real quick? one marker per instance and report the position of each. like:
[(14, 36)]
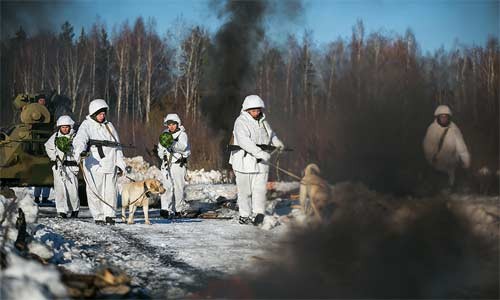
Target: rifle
[(103, 143), (268, 148)]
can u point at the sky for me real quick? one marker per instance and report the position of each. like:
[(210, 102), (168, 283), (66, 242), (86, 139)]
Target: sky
[(435, 23)]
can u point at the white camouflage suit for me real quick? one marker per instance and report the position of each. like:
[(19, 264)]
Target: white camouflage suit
[(100, 173), (251, 176), (173, 178), (65, 176), (453, 149)]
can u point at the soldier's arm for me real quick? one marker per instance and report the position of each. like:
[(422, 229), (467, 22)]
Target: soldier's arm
[(80, 141), (162, 151), (462, 150), (181, 144), (50, 148), (242, 136)]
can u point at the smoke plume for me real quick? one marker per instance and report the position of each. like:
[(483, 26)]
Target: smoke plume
[(232, 56), (32, 16), (377, 247)]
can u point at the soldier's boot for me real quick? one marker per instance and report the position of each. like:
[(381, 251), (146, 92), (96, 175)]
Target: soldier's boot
[(164, 214), (74, 214), (63, 215), (45, 199), (37, 200), (245, 220), (110, 221), (259, 218)]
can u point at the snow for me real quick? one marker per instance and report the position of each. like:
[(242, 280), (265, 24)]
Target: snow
[(169, 258), (25, 279), (173, 258)]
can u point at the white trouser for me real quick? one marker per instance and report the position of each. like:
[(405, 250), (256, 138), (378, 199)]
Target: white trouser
[(65, 190), (251, 193), (101, 187), (174, 182)]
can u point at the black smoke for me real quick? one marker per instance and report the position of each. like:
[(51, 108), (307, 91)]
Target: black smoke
[(232, 56), (31, 16), (364, 254), (231, 60)]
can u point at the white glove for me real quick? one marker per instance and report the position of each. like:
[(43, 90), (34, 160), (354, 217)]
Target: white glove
[(278, 144), (263, 156)]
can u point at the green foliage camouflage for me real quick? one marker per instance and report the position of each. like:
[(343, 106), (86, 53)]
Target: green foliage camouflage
[(166, 139), (63, 143)]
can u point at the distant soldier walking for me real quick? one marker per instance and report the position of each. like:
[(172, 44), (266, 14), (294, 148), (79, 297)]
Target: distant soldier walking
[(103, 163), (59, 148), (444, 145)]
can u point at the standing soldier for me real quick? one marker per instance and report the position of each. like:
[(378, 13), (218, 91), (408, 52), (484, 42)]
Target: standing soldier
[(249, 163), (444, 145), (65, 169), (103, 163), (174, 151), (43, 191)]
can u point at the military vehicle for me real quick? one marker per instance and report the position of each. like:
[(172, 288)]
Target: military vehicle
[(23, 161)]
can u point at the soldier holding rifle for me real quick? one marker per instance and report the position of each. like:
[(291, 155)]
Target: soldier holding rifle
[(249, 161), (104, 161)]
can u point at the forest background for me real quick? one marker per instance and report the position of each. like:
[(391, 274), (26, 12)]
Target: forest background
[(358, 107)]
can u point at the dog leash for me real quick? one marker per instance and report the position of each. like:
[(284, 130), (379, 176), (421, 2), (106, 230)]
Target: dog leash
[(284, 171), (124, 216), (143, 193), (93, 192)]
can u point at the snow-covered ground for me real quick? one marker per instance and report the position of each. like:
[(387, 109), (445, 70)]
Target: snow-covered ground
[(169, 258), (173, 258)]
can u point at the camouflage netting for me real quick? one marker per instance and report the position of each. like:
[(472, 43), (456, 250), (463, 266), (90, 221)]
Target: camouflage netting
[(63, 143), (166, 139)]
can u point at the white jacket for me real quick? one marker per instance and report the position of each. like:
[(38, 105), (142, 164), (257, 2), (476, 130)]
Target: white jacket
[(453, 149), (57, 155), (180, 148), (113, 156), (248, 133)]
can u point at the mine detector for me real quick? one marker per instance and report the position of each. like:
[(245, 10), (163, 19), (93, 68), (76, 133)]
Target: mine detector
[(23, 161)]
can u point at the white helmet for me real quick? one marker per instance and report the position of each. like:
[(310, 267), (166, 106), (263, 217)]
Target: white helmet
[(65, 120), (253, 101), (172, 117), (96, 105), (442, 110)]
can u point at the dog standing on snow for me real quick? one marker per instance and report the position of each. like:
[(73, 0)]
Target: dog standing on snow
[(315, 193), (136, 194)]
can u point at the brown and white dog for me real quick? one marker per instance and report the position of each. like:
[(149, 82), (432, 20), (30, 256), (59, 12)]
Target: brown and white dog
[(136, 194), (315, 193)]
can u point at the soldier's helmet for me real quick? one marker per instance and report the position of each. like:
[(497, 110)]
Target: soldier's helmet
[(253, 101), (65, 120), (96, 105), (442, 110)]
